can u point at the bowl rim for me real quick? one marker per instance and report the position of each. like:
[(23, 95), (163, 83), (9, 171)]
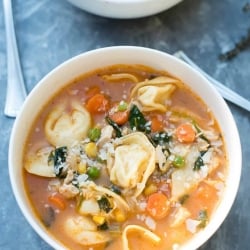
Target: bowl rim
[(124, 9), (235, 174)]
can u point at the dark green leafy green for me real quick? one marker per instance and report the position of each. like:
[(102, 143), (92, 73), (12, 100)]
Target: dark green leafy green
[(203, 218), (200, 134), (246, 7), (116, 127), (103, 227), (137, 120), (239, 46), (57, 157), (115, 189), (75, 181), (104, 204), (161, 138), (198, 163), (183, 198)]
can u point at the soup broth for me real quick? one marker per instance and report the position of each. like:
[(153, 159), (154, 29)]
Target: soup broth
[(124, 157)]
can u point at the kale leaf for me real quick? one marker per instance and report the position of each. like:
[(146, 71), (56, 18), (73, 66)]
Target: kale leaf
[(161, 138), (199, 161), (137, 120), (201, 135), (57, 157), (104, 204), (115, 189), (203, 218), (103, 226), (183, 198), (118, 131)]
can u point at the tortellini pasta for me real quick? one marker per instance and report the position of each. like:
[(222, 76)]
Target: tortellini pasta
[(63, 128), (132, 162), (92, 192), (145, 233), (184, 179), (152, 95), (37, 163), (84, 231), (120, 76)]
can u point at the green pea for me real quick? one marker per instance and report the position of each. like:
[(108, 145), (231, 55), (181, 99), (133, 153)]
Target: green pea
[(93, 172), (179, 161), (94, 134), (122, 106)]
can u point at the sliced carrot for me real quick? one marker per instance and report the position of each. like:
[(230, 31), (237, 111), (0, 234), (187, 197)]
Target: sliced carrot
[(204, 197), (119, 117), (185, 133), (58, 201), (206, 193), (156, 124), (97, 104), (158, 205)]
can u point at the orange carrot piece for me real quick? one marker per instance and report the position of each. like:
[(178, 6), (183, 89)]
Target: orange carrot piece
[(97, 104), (119, 117), (206, 193), (185, 133), (156, 124), (57, 201), (158, 205)]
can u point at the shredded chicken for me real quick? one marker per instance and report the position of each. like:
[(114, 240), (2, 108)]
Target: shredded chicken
[(106, 135), (179, 216), (69, 178), (68, 191), (160, 157), (72, 160)]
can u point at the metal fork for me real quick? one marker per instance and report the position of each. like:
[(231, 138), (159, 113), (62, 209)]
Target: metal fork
[(16, 92), (227, 93)]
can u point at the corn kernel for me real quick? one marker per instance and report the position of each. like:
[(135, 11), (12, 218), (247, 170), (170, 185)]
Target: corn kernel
[(120, 216), (150, 189), (98, 219), (82, 167), (91, 150)]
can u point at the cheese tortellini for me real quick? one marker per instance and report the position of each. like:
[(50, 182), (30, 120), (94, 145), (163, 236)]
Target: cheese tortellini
[(84, 231), (184, 179), (62, 128), (92, 192), (132, 162), (152, 95), (145, 233), (37, 163)]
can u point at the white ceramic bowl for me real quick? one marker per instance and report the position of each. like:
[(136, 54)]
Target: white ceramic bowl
[(124, 8), (78, 65)]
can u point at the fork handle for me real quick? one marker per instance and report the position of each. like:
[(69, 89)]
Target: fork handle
[(16, 92)]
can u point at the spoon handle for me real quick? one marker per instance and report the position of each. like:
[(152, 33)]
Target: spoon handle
[(16, 92), (225, 92)]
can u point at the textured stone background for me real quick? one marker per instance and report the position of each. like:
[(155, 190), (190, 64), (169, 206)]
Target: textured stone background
[(49, 32)]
